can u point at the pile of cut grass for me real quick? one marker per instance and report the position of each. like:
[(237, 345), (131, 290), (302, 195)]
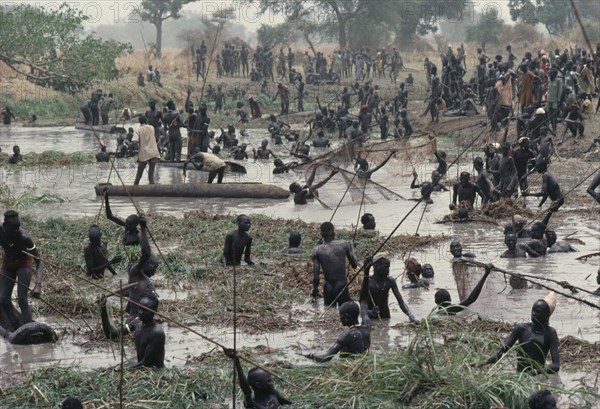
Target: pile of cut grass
[(27, 198)]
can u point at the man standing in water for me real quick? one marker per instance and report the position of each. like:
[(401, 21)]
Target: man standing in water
[(148, 150), (379, 287), (550, 187), (7, 116), (331, 256), (149, 335), (535, 338), (95, 255), (357, 338), (259, 381), (19, 255), (238, 242)]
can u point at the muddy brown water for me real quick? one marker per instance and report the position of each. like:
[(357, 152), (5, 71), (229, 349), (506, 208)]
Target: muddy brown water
[(498, 301)]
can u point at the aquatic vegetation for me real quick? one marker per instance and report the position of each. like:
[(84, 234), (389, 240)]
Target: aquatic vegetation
[(27, 198), (437, 370), (56, 158)]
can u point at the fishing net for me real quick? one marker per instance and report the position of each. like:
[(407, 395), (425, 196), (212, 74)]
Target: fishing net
[(358, 189), (407, 152)]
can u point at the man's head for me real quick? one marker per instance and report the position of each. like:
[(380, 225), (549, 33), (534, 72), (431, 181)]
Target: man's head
[(131, 222), (478, 164), (295, 239), (442, 297), (71, 403), (295, 187), (541, 166), (464, 178), (143, 120), (456, 248), (260, 381), (550, 237), (368, 221), (413, 269), (427, 271), (542, 399), (149, 269), (243, 222), (511, 241), (94, 234), (381, 264), (349, 312), (524, 142), (540, 312), (505, 148), (171, 105), (12, 223), (327, 231), (16, 150), (150, 306), (426, 189), (264, 143), (537, 230)]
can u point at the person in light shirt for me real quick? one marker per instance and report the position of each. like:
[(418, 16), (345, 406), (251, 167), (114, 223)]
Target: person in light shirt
[(148, 150)]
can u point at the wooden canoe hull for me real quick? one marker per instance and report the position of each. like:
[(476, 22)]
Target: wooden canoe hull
[(232, 167), (207, 190), (111, 129)]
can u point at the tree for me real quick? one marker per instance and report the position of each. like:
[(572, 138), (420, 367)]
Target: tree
[(269, 37), (332, 13), (556, 15), (222, 16), (47, 47), (157, 11), (486, 30), (348, 20)]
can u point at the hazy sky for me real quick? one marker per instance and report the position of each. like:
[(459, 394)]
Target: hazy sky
[(119, 12)]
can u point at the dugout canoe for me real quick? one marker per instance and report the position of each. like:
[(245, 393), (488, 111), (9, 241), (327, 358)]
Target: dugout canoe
[(222, 190), (111, 129), (232, 167)]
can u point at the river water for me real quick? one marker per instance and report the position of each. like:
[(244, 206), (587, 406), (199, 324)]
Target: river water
[(498, 300)]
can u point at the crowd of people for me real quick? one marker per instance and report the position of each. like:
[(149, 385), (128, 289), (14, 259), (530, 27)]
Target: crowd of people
[(538, 92)]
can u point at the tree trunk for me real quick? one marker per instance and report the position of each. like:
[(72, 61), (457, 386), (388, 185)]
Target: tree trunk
[(342, 32), (158, 42), (310, 44)]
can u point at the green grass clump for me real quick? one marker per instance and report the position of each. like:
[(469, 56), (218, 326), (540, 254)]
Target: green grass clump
[(54, 107), (56, 158), (27, 198)]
